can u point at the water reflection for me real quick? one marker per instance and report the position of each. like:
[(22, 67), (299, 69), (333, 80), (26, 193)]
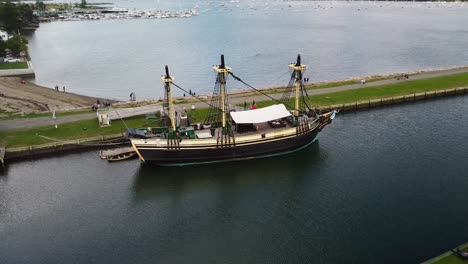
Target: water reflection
[(152, 181), (191, 208)]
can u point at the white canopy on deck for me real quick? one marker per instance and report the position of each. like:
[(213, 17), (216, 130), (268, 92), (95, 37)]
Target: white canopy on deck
[(260, 115)]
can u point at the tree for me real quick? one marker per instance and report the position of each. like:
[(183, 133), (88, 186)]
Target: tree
[(2, 48), (17, 44), (15, 17), (40, 5), (9, 17), (83, 4)]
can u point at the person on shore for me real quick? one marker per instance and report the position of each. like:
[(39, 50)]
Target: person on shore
[(63, 88), (131, 96), (254, 105), (56, 87)]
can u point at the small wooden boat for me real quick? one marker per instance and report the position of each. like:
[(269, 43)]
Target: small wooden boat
[(121, 156), (118, 154)]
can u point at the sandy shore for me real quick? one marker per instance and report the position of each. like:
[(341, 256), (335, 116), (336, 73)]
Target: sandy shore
[(29, 97)]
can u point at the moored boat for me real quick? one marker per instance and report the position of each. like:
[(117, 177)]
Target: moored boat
[(226, 134)]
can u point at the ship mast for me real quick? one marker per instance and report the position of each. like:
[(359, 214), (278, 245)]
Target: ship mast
[(222, 71), (167, 79), (298, 68)]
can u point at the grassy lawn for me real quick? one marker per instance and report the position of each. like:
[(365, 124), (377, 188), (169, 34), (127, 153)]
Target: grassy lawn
[(383, 91), (13, 65), (389, 90), (90, 128), (75, 130), (451, 259), (82, 129)]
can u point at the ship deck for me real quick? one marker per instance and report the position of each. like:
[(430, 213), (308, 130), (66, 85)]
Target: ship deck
[(264, 131)]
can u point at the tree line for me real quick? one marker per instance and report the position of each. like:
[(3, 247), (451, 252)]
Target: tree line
[(14, 18)]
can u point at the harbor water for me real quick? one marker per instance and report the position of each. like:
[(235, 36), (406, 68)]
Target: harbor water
[(337, 39), (385, 185)]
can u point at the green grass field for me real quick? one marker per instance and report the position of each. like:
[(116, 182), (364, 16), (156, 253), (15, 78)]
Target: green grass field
[(89, 128), (13, 65), (389, 90), (451, 259), (74, 130), (385, 91)]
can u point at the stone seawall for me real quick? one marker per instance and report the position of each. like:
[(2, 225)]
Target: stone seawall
[(394, 100), (65, 146)]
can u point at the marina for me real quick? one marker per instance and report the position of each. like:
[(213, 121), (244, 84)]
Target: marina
[(114, 13)]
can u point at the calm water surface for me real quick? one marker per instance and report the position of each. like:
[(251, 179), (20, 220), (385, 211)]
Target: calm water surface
[(380, 186), (111, 58)]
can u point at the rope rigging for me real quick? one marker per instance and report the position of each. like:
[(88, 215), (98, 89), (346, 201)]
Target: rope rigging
[(265, 94), (196, 97)]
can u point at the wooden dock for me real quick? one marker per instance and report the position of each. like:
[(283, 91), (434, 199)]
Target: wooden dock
[(2, 156)]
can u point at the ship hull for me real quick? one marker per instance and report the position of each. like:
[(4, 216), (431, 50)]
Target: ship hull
[(186, 155)]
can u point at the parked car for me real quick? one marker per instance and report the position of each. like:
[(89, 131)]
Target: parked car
[(8, 60)]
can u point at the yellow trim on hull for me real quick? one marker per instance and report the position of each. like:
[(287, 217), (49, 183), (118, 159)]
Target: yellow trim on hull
[(137, 152)]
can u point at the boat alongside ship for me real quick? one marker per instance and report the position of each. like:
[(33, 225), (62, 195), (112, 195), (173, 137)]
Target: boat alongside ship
[(227, 134)]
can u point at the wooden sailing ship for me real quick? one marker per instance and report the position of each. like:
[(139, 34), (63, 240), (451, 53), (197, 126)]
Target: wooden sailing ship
[(227, 135)]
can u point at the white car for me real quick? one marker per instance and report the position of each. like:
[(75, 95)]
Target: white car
[(11, 60)]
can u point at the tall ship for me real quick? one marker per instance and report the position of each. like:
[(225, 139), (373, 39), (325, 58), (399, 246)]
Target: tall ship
[(231, 132)]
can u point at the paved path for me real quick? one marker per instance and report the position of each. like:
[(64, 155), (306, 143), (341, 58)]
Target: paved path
[(24, 123), (236, 99)]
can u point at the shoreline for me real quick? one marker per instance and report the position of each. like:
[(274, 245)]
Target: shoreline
[(33, 98), (66, 145), (17, 154)]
